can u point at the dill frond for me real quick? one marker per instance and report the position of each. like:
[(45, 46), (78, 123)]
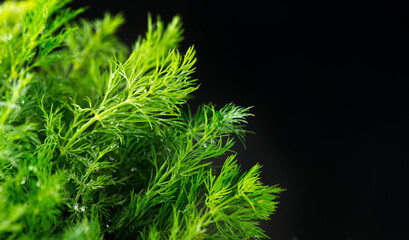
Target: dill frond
[(95, 142)]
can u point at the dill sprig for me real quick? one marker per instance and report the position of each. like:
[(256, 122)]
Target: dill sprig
[(95, 141)]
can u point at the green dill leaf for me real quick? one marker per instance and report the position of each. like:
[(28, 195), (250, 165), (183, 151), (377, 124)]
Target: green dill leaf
[(96, 141)]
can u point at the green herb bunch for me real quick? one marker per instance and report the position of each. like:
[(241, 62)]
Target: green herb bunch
[(97, 142)]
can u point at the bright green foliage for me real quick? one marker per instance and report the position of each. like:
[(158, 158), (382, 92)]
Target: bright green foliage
[(95, 143)]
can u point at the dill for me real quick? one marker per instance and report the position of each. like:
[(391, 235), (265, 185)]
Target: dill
[(94, 141)]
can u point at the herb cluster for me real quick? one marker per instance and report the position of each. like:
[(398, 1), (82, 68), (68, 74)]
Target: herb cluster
[(96, 141)]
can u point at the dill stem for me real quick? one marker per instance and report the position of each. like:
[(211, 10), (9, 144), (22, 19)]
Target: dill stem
[(79, 132), (97, 117)]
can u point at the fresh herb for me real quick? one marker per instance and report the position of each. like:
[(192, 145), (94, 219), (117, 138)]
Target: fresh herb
[(97, 142)]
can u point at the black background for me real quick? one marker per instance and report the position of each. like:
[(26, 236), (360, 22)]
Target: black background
[(328, 84)]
